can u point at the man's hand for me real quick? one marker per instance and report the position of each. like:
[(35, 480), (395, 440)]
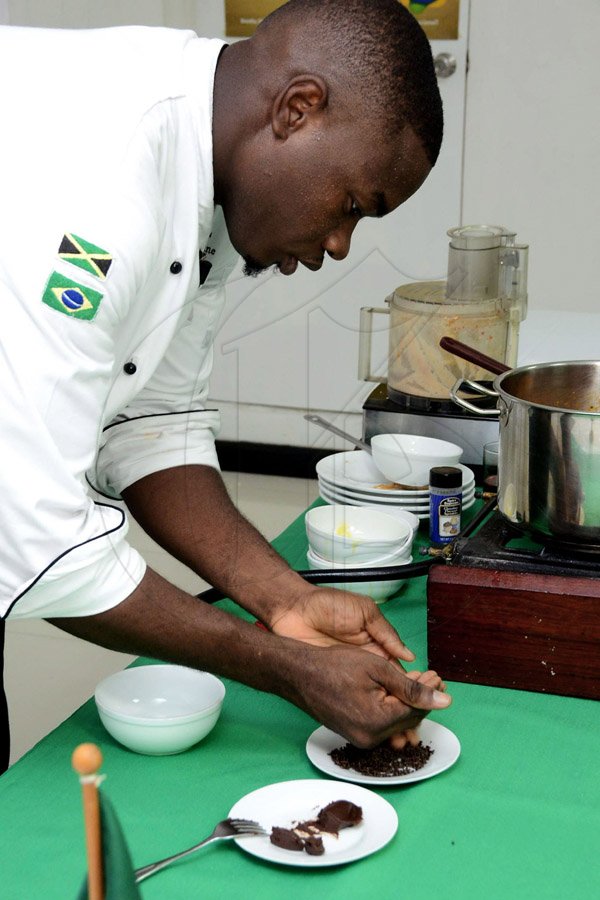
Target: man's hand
[(364, 697), (411, 735), (325, 617)]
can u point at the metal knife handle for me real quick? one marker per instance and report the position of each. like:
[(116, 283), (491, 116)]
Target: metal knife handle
[(323, 423)]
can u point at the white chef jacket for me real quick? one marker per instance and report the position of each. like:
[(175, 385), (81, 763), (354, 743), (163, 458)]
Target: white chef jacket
[(106, 207)]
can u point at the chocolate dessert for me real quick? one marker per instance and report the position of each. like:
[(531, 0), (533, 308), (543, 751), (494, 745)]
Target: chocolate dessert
[(383, 761), (338, 815), (314, 845), (286, 839), (307, 835)]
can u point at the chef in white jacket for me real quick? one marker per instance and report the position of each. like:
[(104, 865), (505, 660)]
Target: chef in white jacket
[(135, 165)]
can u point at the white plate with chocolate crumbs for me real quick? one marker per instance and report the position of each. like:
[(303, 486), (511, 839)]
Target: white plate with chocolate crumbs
[(287, 803), (440, 749)]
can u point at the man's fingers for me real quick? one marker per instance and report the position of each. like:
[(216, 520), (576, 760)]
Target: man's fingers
[(432, 680), (414, 693), (414, 674), (413, 736), (399, 741), (387, 637)]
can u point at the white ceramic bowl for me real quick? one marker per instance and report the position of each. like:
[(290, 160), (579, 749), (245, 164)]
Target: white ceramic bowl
[(407, 458), (386, 559), (355, 534), (379, 591), (397, 512), (159, 709)]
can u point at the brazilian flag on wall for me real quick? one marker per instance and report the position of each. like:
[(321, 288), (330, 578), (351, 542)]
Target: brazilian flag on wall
[(119, 874)]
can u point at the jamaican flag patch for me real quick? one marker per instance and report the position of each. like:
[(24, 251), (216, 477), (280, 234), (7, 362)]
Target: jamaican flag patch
[(68, 297), (78, 252)]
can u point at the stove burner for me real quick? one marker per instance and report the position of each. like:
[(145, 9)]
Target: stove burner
[(499, 544)]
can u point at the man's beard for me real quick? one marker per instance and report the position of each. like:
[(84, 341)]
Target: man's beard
[(252, 267)]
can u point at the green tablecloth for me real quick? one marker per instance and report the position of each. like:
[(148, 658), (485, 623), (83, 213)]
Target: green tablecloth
[(518, 816)]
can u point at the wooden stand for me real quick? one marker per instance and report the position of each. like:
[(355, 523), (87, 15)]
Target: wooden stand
[(524, 631)]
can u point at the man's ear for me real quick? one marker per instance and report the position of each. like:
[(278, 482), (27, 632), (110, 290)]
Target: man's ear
[(304, 97)]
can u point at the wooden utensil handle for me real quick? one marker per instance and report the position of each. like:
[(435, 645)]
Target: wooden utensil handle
[(457, 348), (86, 761)]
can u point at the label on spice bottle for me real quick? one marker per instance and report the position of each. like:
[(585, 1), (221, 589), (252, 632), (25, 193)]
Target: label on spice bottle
[(444, 515)]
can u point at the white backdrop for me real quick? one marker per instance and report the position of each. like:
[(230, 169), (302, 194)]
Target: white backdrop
[(204, 16)]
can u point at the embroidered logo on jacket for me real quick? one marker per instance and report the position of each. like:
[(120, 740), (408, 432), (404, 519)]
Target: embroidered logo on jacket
[(87, 256), (71, 298)]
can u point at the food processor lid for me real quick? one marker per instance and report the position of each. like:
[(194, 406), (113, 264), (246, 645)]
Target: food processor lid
[(480, 237)]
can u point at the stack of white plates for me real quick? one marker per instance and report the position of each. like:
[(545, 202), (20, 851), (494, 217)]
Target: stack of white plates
[(351, 478)]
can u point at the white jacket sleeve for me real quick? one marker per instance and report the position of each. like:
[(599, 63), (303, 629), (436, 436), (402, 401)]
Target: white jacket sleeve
[(61, 553)]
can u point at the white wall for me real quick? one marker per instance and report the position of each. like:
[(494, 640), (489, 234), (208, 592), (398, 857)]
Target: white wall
[(204, 16), (532, 139)]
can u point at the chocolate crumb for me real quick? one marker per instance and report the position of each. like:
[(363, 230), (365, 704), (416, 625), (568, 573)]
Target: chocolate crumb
[(382, 761)]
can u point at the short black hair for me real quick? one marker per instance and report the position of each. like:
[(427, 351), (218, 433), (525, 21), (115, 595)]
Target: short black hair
[(386, 55)]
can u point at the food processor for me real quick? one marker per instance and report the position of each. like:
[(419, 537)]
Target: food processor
[(481, 303)]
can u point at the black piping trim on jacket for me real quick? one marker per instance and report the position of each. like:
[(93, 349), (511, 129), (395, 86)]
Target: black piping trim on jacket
[(64, 553), (102, 494), (185, 412)]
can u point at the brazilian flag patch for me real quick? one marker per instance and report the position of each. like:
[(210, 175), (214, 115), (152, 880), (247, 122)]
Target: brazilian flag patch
[(78, 252), (71, 298)]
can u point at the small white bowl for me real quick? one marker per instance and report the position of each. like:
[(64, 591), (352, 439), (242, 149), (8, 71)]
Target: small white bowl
[(386, 559), (159, 710), (396, 512), (355, 533), (407, 458), (379, 591)]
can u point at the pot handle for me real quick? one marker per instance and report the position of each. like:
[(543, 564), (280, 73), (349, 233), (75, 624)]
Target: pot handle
[(470, 354), (477, 388), (365, 341)]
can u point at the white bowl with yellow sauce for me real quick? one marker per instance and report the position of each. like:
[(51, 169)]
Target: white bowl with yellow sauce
[(356, 534)]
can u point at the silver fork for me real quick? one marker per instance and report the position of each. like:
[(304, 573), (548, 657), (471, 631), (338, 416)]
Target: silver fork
[(228, 828)]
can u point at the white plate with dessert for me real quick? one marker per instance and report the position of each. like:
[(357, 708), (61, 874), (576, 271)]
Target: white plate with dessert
[(289, 804), (443, 744)]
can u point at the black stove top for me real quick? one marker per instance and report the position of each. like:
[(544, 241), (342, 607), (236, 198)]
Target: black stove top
[(386, 399), (499, 545)]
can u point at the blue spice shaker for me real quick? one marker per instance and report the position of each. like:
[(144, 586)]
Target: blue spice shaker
[(445, 504)]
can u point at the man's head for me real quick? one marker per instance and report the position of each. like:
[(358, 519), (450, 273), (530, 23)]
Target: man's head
[(329, 113)]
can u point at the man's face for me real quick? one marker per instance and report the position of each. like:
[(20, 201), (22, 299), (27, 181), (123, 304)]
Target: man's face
[(299, 199)]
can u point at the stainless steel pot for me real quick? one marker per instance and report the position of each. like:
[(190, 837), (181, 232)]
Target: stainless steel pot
[(549, 468)]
